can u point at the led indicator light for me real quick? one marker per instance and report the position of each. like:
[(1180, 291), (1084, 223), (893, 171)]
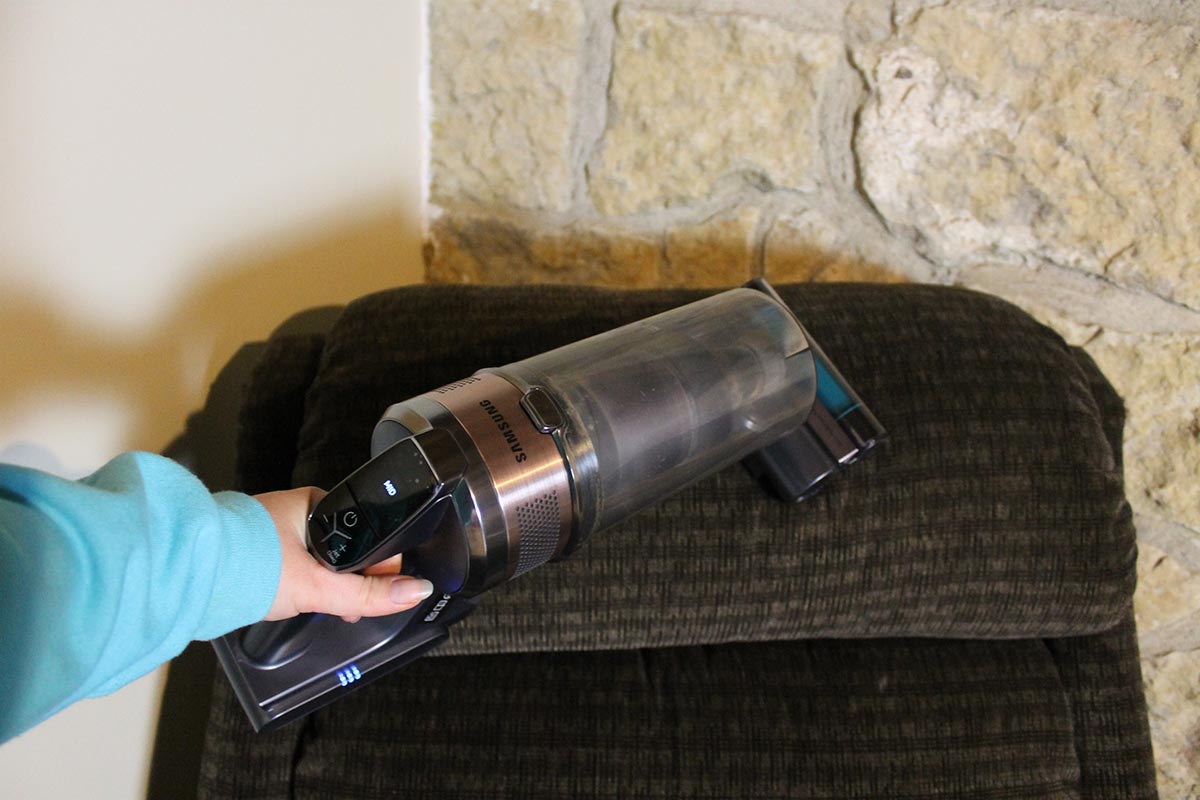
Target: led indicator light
[(348, 675)]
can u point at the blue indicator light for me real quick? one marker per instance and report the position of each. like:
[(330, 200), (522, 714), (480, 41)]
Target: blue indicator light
[(348, 675), (831, 392)]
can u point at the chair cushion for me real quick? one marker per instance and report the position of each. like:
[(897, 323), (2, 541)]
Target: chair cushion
[(872, 717), (813, 719)]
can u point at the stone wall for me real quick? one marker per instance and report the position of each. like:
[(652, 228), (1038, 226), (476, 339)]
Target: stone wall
[(1049, 154)]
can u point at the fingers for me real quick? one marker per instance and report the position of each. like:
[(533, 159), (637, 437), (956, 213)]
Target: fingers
[(389, 566), (351, 596), (306, 586)]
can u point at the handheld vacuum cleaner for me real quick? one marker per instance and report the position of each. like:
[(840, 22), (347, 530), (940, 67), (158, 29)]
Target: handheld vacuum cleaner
[(482, 480)]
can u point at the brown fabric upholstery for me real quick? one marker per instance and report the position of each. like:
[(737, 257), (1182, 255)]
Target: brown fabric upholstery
[(673, 656)]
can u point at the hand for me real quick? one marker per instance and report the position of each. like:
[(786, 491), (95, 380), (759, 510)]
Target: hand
[(305, 585)]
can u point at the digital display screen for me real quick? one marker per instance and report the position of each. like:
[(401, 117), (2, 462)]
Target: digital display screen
[(394, 486)]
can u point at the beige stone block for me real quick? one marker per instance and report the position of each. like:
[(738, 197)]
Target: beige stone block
[(599, 257), (503, 81), (809, 246), (1157, 377), (1168, 592), (1033, 135), (1079, 305), (714, 253), (497, 251), (1173, 703), (702, 100)]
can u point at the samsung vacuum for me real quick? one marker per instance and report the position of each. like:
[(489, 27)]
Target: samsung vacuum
[(484, 479)]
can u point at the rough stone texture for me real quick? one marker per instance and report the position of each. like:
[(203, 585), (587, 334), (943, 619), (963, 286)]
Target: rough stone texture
[(1167, 617), (702, 101), (1158, 377), (807, 245), (1075, 142), (714, 252), (504, 78), (1080, 305), (1168, 578), (1173, 697), (466, 249)]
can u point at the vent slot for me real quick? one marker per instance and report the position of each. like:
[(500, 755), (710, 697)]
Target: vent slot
[(538, 526)]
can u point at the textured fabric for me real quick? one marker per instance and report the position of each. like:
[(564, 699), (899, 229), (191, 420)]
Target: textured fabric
[(1102, 674), (273, 411), (875, 718), (996, 509), (105, 578), (867, 719), (1103, 679)]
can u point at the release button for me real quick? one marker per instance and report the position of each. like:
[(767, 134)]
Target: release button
[(542, 411)]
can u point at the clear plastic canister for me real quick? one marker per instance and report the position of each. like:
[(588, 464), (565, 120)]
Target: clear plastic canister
[(658, 404)]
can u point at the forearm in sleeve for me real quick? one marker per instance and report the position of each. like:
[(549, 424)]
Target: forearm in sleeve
[(103, 579)]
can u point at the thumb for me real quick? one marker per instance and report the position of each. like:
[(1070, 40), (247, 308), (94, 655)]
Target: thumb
[(350, 595)]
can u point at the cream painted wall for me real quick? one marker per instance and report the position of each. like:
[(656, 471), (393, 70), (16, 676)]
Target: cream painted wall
[(177, 179)]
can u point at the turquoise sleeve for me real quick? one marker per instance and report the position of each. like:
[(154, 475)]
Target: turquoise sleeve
[(106, 578)]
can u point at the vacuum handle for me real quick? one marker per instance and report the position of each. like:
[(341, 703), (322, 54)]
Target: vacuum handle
[(388, 505), (272, 644)]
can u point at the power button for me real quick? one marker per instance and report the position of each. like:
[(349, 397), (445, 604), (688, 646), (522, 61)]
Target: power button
[(542, 410), (338, 534)]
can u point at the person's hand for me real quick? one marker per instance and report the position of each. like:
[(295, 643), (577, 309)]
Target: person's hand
[(305, 585)]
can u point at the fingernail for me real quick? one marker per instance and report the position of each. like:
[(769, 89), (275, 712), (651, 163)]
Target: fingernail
[(406, 591)]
